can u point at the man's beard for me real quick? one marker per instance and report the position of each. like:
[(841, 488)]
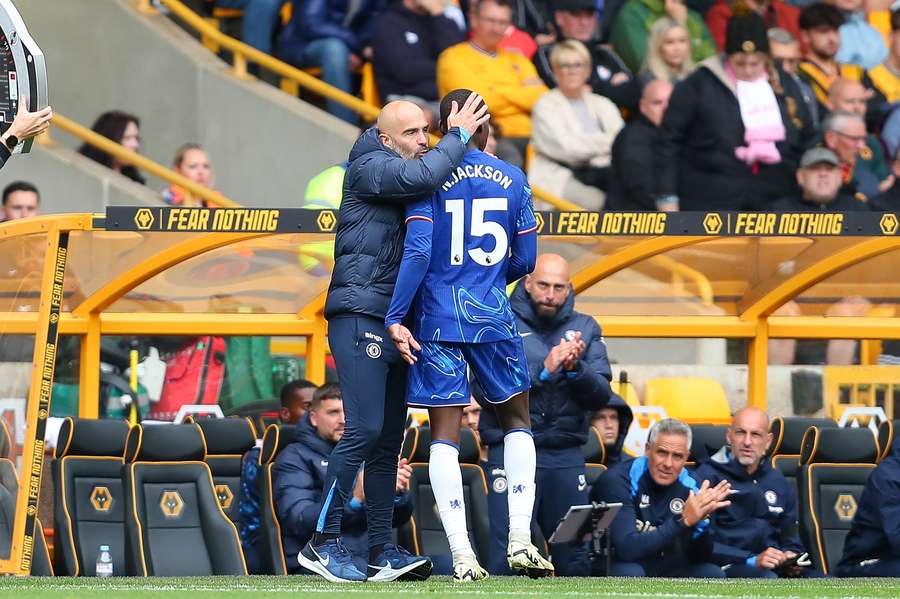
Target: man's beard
[(746, 461), (406, 155), (546, 314)]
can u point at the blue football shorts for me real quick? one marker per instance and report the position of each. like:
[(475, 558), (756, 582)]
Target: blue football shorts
[(440, 377)]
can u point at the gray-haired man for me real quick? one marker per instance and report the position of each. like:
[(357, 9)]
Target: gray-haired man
[(663, 526)]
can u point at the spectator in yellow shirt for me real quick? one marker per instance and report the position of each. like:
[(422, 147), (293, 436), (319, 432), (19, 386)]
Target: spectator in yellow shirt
[(506, 80)]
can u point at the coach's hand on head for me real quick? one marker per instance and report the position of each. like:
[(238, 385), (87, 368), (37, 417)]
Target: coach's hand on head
[(473, 114), (705, 501)]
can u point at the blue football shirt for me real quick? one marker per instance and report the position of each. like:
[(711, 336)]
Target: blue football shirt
[(478, 216)]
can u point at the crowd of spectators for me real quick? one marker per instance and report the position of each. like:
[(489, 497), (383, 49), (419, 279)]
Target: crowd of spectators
[(619, 105), (741, 88)]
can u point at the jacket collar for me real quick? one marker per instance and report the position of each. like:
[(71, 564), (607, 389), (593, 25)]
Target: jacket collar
[(724, 461), (309, 437), (716, 65)]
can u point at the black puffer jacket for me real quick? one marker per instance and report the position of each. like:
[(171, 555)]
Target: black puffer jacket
[(561, 407), (700, 131), (368, 244)]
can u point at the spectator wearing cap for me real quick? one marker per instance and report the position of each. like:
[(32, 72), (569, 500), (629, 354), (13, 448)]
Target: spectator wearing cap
[(861, 43), (774, 13), (889, 201), (506, 80), (668, 52), (633, 152), (819, 178), (573, 132), (820, 32), (409, 36), (632, 28), (884, 78), (844, 133), (609, 77), (870, 170), (734, 130)]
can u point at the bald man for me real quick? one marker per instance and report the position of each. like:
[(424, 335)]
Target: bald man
[(870, 169), (757, 533), (389, 166), (570, 377), (633, 152)]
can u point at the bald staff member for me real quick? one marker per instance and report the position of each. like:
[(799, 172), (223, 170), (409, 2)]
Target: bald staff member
[(390, 166)]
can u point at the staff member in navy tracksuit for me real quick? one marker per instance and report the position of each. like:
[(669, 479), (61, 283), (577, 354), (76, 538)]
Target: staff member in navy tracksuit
[(758, 531), (872, 547), (663, 526), (299, 477), (570, 377), (390, 166)]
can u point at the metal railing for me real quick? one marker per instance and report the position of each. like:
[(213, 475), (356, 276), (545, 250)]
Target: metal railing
[(292, 78), (213, 198)]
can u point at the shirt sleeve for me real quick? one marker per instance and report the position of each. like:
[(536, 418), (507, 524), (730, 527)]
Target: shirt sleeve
[(416, 257), (524, 243)]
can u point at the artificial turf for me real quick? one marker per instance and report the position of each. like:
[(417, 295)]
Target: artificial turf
[(217, 587)]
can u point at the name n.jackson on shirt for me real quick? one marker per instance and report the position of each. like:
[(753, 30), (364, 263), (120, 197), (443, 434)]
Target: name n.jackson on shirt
[(471, 171)]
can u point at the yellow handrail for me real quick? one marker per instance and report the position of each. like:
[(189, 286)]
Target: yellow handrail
[(678, 270), (243, 53), (143, 163)]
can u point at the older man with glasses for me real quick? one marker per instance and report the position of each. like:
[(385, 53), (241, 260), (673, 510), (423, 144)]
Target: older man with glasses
[(844, 133)]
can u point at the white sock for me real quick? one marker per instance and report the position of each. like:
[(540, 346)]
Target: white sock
[(446, 484), (519, 462)]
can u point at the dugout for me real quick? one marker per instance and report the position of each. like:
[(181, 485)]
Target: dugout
[(247, 272)]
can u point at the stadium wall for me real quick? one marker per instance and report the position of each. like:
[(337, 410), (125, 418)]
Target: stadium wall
[(69, 182), (103, 54)]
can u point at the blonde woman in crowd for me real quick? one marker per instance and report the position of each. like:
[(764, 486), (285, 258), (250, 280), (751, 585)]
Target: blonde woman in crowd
[(192, 162), (573, 131), (668, 52)]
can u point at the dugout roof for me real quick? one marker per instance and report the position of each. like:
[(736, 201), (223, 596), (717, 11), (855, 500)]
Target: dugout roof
[(264, 272)]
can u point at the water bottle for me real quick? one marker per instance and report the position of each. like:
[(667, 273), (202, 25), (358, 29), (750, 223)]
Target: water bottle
[(104, 562)]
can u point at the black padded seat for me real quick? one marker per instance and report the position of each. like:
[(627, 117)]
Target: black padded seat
[(835, 464), (271, 549), (227, 440), (427, 530), (89, 507), (174, 524)]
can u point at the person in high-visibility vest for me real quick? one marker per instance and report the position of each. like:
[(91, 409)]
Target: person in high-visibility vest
[(322, 192)]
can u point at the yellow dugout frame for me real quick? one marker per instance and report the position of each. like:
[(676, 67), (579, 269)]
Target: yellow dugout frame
[(675, 248)]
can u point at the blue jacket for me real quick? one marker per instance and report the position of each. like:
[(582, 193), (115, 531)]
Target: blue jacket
[(369, 239), (875, 531), (298, 480), (320, 19), (614, 453), (248, 507), (648, 527), (762, 514), (561, 405)]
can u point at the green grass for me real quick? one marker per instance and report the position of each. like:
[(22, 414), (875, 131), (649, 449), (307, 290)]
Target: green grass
[(436, 588)]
